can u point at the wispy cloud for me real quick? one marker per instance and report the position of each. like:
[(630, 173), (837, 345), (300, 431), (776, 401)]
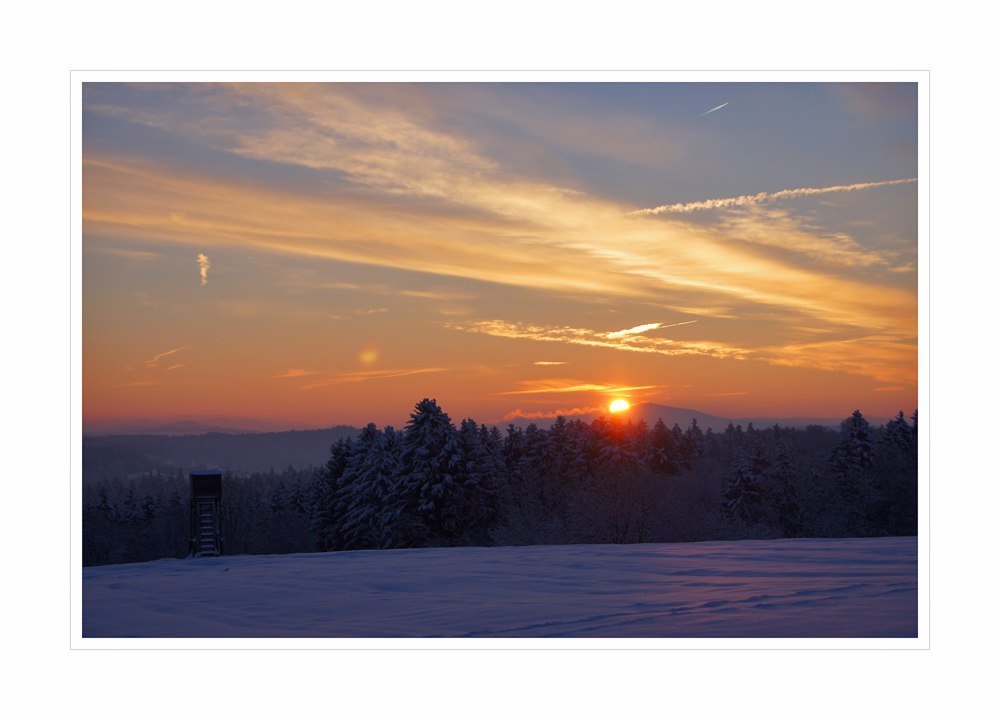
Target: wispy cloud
[(557, 243), (573, 386), (174, 367), (137, 255), (153, 363), (883, 357), (548, 362), (204, 265), (487, 223), (778, 228), (886, 358), (762, 198), (295, 373), (370, 375), (629, 340)]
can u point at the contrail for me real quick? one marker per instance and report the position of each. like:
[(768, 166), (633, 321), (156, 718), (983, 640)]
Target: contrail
[(686, 322), (205, 265), (713, 109), (643, 328), (761, 198)]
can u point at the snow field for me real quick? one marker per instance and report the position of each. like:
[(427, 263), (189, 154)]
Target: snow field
[(865, 588)]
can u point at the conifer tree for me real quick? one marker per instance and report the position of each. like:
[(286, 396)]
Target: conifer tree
[(746, 486), (664, 456), (424, 489), (855, 450), (326, 506), (368, 497)]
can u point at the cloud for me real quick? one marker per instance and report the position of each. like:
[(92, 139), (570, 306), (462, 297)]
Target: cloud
[(371, 375), (570, 386), (544, 415), (137, 255), (153, 363), (633, 331), (295, 373), (761, 198), (204, 265), (778, 228), (628, 340), (887, 358), (547, 362), (486, 223), (559, 243), (174, 367), (431, 295)]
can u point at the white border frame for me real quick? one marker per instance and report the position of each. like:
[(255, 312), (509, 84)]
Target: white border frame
[(921, 77)]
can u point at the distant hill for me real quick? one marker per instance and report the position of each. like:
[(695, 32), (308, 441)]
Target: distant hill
[(122, 455), (190, 426), (196, 445), (651, 412)]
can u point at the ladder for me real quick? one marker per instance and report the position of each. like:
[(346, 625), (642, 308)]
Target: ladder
[(209, 538)]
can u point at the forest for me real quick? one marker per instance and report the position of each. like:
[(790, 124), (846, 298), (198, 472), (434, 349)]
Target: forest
[(435, 484)]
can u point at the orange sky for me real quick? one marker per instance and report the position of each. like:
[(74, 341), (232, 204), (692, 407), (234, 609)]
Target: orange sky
[(332, 254)]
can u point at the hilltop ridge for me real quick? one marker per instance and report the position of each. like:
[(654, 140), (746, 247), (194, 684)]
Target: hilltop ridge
[(651, 412)]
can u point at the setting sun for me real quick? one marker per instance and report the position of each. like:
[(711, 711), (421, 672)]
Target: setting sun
[(618, 405)]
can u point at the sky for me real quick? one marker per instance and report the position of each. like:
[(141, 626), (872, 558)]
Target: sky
[(327, 254)]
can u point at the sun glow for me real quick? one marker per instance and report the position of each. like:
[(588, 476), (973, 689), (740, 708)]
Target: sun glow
[(619, 405)]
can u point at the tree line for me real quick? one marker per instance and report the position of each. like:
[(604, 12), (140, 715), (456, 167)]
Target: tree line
[(436, 484)]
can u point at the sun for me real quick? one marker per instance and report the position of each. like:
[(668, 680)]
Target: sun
[(618, 405)]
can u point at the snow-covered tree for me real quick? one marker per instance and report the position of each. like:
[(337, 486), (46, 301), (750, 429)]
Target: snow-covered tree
[(480, 475), (898, 433), (425, 489), (694, 440), (784, 473), (366, 494), (664, 455), (745, 489), (855, 452), (326, 505)]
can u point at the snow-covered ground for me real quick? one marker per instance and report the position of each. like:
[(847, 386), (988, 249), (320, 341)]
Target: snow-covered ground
[(848, 588)]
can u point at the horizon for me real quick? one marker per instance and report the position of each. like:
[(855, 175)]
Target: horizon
[(330, 254), (244, 425)]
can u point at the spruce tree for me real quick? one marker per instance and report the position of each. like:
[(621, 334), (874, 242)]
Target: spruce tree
[(368, 497), (855, 452), (424, 488), (326, 506)]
